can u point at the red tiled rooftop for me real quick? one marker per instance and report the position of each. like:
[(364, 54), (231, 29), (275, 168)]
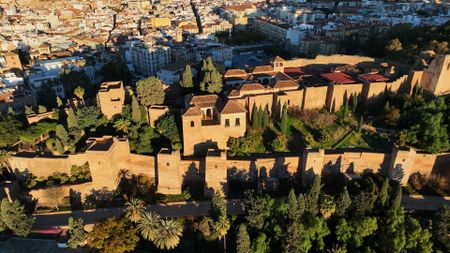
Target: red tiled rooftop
[(251, 86), (234, 93), (294, 72), (278, 59), (282, 76), (232, 107), (235, 72), (338, 77), (192, 111), (374, 77), (263, 69), (285, 84)]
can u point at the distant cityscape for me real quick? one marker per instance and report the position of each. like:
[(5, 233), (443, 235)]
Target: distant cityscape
[(224, 126)]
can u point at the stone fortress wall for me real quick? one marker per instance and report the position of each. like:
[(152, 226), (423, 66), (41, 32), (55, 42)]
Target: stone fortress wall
[(172, 172), (109, 156)]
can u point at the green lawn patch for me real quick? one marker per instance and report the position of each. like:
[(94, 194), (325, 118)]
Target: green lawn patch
[(365, 139), (34, 131)]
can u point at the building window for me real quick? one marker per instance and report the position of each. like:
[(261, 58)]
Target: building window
[(238, 122), (167, 164), (192, 124), (208, 113), (227, 122), (289, 102)]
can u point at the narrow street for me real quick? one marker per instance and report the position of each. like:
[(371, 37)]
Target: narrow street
[(199, 208)]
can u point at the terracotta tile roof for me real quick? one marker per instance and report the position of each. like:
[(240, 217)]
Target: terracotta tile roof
[(235, 72), (251, 86), (373, 77), (192, 111), (338, 77), (282, 76), (294, 72), (285, 84), (203, 98), (263, 69), (232, 107), (278, 59), (234, 93)]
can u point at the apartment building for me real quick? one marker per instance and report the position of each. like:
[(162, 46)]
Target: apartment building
[(148, 59)]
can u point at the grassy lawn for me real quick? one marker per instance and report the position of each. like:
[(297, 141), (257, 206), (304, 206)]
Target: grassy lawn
[(365, 139), (320, 131), (310, 128)]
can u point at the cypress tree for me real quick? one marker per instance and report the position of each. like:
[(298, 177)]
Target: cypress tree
[(72, 121), (266, 116), (313, 195), (343, 203), (295, 239), (345, 109), (215, 85), (261, 116), (383, 196), (397, 198), (293, 207), (186, 77), (284, 124), (210, 64), (136, 113), (243, 244), (206, 81), (301, 204), (255, 117)]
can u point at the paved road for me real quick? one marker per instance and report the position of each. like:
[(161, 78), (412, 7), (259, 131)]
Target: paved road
[(191, 208), (200, 208)]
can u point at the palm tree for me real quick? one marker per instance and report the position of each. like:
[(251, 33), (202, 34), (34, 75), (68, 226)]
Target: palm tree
[(135, 208), (148, 225), (168, 234), (221, 227), (337, 249), (122, 125), (4, 160)]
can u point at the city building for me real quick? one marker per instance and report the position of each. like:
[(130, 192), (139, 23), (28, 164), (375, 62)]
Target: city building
[(111, 98), (148, 59)]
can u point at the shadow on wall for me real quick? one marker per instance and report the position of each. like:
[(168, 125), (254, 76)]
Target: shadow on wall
[(201, 149), (131, 186), (240, 180), (193, 181)]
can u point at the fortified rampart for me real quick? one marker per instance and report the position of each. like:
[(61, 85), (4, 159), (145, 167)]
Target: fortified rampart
[(109, 158)]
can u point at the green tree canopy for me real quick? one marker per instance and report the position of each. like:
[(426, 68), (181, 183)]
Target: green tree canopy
[(136, 113), (77, 235), (113, 235), (150, 91), (9, 130), (343, 203), (14, 217), (168, 128), (186, 78), (243, 243), (313, 195)]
